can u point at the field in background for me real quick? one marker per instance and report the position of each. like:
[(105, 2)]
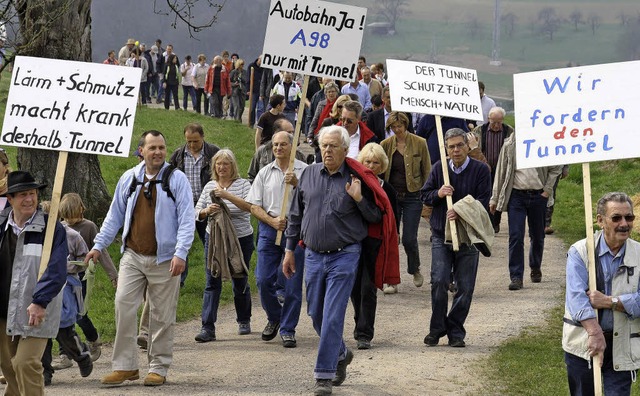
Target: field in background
[(443, 29)]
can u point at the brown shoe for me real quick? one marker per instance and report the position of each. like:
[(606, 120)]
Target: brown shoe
[(549, 230), (153, 379), (119, 376)]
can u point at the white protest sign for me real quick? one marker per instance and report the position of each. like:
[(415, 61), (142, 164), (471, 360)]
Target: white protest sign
[(434, 89), (577, 115), (315, 38), (71, 106)]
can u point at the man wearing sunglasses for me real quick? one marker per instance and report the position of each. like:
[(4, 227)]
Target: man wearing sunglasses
[(359, 134), (525, 195), (612, 335)]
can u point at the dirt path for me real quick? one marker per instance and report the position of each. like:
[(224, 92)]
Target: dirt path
[(398, 364)]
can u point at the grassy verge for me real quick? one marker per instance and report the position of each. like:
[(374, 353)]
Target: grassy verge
[(533, 363)]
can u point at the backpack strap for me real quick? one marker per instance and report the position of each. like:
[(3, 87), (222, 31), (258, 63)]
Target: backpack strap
[(165, 181)]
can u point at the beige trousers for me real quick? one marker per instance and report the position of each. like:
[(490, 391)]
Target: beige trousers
[(136, 272)]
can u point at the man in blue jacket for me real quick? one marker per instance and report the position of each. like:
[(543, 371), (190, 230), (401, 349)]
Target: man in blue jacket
[(29, 307), (157, 232)]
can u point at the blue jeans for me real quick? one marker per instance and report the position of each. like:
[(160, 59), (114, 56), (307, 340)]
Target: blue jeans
[(580, 376), (269, 265), (188, 91), (464, 264), (409, 210), (160, 88), (532, 207), (213, 288), (329, 279)]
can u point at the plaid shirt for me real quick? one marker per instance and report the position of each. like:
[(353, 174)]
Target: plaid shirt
[(192, 168)]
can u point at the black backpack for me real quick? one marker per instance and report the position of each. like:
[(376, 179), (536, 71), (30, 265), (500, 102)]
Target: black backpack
[(164, 183)]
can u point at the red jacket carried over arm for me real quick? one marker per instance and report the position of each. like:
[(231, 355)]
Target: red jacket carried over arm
[(388, 260)]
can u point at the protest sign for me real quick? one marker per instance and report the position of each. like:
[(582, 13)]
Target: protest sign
[(316, 38), (434, 89), (71, 106), (577, 115)]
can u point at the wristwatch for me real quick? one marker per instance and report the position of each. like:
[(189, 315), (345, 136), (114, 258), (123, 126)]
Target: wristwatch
[(614, 303)]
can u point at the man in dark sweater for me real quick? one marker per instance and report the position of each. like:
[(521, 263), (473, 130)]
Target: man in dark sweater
[(467, 177)]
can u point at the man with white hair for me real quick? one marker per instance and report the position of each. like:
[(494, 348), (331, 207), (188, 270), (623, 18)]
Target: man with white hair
[(332, 229), (491, 136)]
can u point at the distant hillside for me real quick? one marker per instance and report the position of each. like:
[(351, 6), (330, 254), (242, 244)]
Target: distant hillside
[(455, 32)]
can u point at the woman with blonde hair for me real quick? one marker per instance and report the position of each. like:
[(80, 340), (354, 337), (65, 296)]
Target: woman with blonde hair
[(364, 294), (408, 171), (225, 194)]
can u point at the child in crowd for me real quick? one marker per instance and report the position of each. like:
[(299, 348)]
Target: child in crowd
[(72, 305), (72, 212)]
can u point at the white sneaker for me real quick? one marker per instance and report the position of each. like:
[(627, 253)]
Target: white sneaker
[(418, 279), (95, 349), (62, 362), (390, 289)]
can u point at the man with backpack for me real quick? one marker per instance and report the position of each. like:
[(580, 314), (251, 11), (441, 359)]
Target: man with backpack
[(153, 205)]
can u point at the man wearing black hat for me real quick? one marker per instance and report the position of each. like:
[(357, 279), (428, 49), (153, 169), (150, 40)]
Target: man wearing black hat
[(29, 307)]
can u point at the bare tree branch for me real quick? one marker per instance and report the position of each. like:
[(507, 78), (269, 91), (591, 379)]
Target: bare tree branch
[(189, 13)]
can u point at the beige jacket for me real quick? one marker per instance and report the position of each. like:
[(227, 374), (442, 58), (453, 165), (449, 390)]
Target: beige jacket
[(417, 163), (224, 257), (473, 225), (505, 171), (626, 330)]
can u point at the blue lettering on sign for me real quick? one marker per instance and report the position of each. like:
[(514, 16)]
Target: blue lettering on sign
[(540, 151), (562, 87), (316, 39)]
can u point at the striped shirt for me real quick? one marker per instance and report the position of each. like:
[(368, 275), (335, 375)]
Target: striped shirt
[(241, 220), (494, 143)]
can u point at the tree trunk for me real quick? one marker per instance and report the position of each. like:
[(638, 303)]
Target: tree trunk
[(61, 29)]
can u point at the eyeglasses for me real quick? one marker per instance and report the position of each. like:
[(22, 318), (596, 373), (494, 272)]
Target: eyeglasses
[(618, 218), (456, 146), (325, 146), (347, 121)]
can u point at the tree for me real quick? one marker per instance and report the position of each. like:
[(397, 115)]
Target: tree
[(391, 10), (550, 22), (474, 27), (628, 45), (576, 18), (189, 12), (509, 22), (624, 18), (594, 21), (61, 29)]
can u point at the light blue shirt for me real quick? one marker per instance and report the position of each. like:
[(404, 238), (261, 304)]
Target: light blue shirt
[(364, 97), (173, 219), (577, 301), (459, 169)]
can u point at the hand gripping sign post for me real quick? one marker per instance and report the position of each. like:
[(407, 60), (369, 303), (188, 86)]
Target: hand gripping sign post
[(69, 106), (314, 38), (439, 90), (578, 115)]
